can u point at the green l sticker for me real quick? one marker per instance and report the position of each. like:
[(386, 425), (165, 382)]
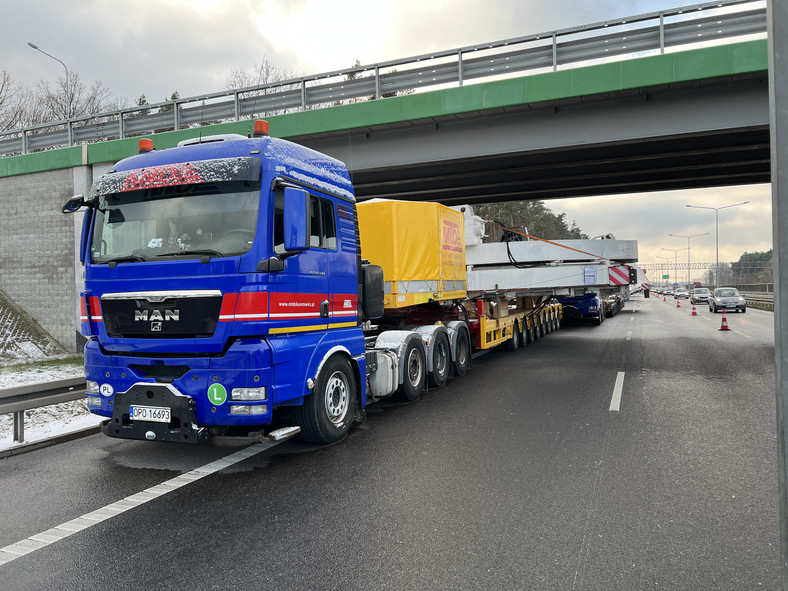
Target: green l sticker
[(217, 394)]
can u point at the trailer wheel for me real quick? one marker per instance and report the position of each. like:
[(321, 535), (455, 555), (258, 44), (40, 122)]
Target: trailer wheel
[(513, 343), (441, 359), (327, 413), (530, 332), (523, 338), (462, 353), (415, 373)]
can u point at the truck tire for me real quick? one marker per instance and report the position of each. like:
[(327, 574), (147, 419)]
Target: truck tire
[(523, 338), (462, 353), (441, 360), (415, 372), (327, 414), (513, 343), (530, 332)]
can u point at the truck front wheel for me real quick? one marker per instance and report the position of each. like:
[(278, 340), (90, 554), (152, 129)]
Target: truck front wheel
[(326, 414)]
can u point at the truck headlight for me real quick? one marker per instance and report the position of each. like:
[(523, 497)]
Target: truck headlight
[(94, 401), (91, 387), (248, 394)]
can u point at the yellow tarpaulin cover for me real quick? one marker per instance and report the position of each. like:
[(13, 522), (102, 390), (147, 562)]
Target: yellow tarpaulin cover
[(420, 246)]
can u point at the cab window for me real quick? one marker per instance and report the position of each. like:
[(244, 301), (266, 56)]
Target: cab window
[(323, 228)]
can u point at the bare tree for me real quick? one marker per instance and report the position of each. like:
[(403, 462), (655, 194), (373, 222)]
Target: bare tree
[(262, 74), (74, 100), (15, 101)]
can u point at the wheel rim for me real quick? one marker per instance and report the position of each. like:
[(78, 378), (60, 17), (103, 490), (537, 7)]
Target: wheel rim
[(462, 351), (414, 367), (442, 358), (337, 401)]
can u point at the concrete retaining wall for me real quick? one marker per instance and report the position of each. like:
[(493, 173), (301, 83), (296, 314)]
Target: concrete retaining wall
[(37, 269)]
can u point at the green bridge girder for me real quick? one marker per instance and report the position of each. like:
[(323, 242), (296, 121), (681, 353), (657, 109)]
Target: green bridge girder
[(719, 62)]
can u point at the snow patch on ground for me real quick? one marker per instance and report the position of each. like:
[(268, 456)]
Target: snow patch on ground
[(21, 338), (26, 354)]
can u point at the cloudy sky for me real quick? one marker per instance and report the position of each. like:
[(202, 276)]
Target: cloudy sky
[(155, 48)]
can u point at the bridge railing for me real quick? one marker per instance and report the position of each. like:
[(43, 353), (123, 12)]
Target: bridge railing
[(655, 32)]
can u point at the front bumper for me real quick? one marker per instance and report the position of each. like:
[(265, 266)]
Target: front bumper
[(735, 305), (182, 427)]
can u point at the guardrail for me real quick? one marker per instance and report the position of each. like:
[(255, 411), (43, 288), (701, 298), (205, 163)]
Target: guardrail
[(18, 399), (764, 301), (639, 35)]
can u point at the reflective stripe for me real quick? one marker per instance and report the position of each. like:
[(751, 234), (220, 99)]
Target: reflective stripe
[(457, 285)]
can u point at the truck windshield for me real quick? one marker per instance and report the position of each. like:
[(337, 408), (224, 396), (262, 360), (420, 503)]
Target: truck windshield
[(215, 219)]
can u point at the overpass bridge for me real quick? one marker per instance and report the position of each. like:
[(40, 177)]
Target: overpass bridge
[(632, 105)]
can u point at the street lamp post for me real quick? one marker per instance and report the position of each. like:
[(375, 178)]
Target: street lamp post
[(68, 88), (688, 249), (675, 252), (717, 233), (666, 259)]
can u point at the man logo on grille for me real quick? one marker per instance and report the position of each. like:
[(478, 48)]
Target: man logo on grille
[(157, 315), (155, 326)]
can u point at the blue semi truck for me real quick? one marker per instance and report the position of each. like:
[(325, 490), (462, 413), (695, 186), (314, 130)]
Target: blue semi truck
[(224, 281), (596, 304)]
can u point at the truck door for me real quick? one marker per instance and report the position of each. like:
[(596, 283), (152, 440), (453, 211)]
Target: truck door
[(299, 300), (298, 294)]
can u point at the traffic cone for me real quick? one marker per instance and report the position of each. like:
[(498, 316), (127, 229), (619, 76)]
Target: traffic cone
[(724, 322), (694, 311), (678, 302), (664, 298)]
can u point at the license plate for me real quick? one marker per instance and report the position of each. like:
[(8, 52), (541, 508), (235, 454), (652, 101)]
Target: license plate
[(153, 414)]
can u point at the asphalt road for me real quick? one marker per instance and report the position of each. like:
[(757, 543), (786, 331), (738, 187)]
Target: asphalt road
[(518, 476)]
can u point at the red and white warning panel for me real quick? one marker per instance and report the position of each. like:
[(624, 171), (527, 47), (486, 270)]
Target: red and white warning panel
[(618, 275)]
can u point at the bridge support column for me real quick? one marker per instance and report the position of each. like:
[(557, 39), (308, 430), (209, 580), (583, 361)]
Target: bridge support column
[(777, 14)]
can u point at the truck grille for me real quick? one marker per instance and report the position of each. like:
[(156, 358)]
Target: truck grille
[(158, 315)]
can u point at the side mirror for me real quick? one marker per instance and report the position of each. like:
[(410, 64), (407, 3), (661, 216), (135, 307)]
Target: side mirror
[(296, 219), (83, 241), (74, 204)]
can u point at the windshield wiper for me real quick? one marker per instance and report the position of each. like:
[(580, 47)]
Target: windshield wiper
[(199, 251), (131, 258)]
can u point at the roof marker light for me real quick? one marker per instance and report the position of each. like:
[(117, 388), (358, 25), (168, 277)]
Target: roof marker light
[(145, 145), (260, 128)]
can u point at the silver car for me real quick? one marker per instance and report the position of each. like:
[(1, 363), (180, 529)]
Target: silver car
[(700, 294), (727, 298)]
